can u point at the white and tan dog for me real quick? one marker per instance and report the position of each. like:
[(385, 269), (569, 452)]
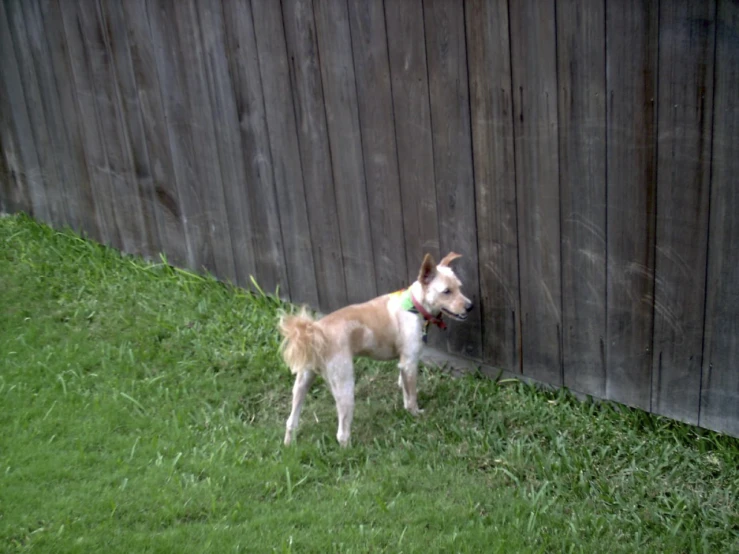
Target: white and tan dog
[(385, 328)]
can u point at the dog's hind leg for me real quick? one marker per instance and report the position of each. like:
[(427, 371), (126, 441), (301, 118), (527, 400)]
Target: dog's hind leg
[(340, 373), (303, 381)]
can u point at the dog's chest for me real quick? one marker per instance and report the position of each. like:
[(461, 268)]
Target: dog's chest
[(410, 332)]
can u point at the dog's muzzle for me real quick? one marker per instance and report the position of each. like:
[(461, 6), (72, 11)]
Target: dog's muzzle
[(461, 317)]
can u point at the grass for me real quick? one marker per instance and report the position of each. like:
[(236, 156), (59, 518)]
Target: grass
[(142, 410)]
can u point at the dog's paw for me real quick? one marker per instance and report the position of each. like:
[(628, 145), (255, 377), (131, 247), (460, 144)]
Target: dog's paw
[(416, 411)]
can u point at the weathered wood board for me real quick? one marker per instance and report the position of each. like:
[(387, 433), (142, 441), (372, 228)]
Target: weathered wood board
[(446, 55), (685, 117), (581, 74), (533, 46), (315, 154), (631, 80), (719, 406)]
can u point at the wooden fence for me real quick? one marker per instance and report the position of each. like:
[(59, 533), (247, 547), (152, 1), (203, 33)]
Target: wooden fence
[(581, 154)]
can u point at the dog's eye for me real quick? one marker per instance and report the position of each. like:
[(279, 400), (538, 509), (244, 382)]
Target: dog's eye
[(448, 291)]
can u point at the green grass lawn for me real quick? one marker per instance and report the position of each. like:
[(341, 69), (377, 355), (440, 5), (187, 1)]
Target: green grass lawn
[(142, 409)]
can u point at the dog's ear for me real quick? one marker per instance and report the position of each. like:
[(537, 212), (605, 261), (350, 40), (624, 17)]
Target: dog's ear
[(449, 258), (428, 270)]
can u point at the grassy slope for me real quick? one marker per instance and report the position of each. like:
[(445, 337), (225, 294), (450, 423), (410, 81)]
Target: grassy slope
[(142, 409)]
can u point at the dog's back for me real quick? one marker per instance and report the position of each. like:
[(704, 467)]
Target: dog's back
[(368, 329)]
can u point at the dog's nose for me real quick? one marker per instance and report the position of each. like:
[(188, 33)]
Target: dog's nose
[(469, 307)]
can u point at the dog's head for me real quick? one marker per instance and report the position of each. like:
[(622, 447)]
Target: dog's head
[(442, 289)]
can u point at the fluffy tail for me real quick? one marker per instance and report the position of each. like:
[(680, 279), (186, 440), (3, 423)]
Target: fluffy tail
[(304, 342)]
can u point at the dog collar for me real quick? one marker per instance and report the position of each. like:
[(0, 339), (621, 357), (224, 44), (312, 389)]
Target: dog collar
[(409, 304), (426, 315)]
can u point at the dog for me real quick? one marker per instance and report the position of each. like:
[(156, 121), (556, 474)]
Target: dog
[(391, 326)]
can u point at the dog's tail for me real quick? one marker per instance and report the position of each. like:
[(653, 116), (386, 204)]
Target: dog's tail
[(304, 345)]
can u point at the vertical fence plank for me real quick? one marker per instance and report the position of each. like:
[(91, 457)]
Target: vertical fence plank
[(253, 225), (533, 46), (180, 68), (13, 190), (206, 163), (719, 408), (10, 184), (314, 152), (91, 130), (582, 169), (489, 55), (47, 198), (175, 103), (18, 149), (285, 153), (119, 165), (154, 163), (412, 112), (631, 69), (685, 110), (133, 141), (259, 186), (81, 199), (129, 216), (375, 102), (342, 117), (446, 55), (8, 177), (62, 182)]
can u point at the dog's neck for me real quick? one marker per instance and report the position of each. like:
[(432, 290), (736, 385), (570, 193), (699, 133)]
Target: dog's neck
[(417, 292), (416, 299)]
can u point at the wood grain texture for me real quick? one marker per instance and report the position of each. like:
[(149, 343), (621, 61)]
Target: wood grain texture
[(375, 103), (347, 162), (154, 160), (719, 408), (259, 186), (285, 152), (582, 169), (13, 190), (243, 194), (90, 126), (119, 163), (631, 73), (488, 51), (446, 54), (18, 150), (191, 136), (80, 194), (47, 198), (8, 178), (685, 113), (315, 154), (131, 128), (203, 133), (62, 183), (533, 46), (412, 111)]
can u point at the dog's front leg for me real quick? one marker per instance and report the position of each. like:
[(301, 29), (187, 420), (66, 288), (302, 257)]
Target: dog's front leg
[(408, 381)]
